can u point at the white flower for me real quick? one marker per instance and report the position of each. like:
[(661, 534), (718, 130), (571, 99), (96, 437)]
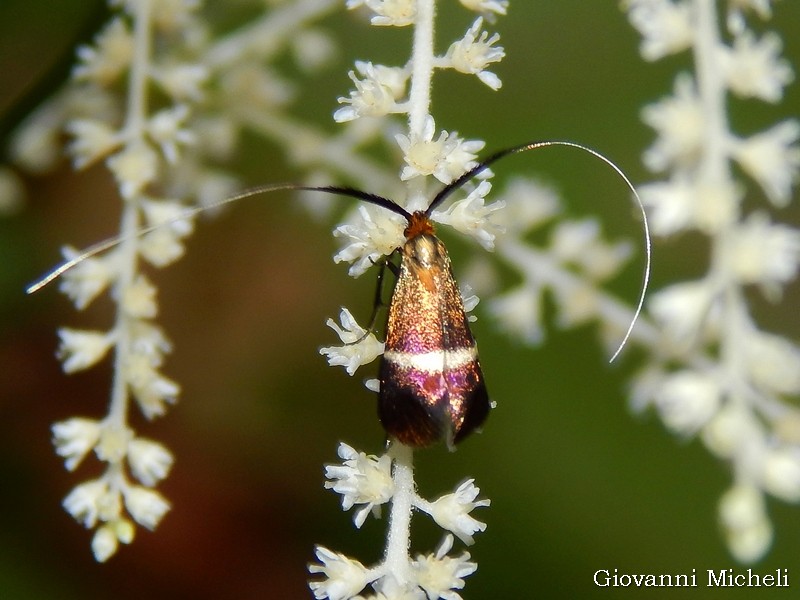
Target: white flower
[(486, 6), (85, 500), (733, 429), (445, 158), (139, 299), (519, 313), (173, 16), (359, 348), (81, 349), (94, 139), (772, 362), (744, 521), (83, 282), (113, 444), (579, 243), (182, 82), (104, 543), (471, 216), (375, 95), (679, 121), (682, 308), (162, 246), (352, 354), (737, 8), (576, 303), (147, 507), (107, 537), (716, 205), (451, 511), (109, 57), (763, 253), (772, 158), (439, 574), (666, 26), (151, 389), (392, 12), (671, 204), (134, 167), (149, 340), (470, 300), (149, 461), (474, 52), (781, 473), (528, 205), (313, 49), (166, 128), (74, 438), (755, 69), (361, 479), (681, 203), (372, 232), (686, 400), (345, 577)]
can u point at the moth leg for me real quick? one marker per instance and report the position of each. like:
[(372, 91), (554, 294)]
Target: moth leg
[(377, 302)]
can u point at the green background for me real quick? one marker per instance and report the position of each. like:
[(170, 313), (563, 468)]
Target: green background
[(577, 483)]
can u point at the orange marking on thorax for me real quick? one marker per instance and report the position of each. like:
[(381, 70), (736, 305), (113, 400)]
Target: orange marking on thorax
[(418, 224)]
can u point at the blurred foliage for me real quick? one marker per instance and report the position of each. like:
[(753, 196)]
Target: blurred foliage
[(576, 483)]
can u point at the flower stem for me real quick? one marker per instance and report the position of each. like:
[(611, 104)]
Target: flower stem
[(398, 541), (422, 67), (134, 130)]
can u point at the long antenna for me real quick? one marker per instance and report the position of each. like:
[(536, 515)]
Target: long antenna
[(483, 165), (385, 203), (189, 213)]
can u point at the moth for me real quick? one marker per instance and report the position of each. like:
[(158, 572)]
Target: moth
[(432, 388)]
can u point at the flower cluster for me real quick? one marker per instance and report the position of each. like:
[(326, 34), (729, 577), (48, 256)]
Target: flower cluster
[(368, 482), (161, 103), (134, 152), (715, 373), (370, 233)]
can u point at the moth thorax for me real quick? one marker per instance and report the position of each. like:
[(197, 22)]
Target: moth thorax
[(425, 251)]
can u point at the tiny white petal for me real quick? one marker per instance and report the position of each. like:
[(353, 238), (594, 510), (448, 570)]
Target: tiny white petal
[(363, 480), (682, 308), (85, 500), (743, 517), (74, 438), (754, 67), (666, 27), (358, 349), (397, 13), (474, 52), (81, 349), (134, 167), (139, 299), (439, 574), (451, 511), (473, 217), (781, 474), (104, 543), (88, 278), (146, 506), (687, 400), (772, 158), (679, 121), (149, 461), (345, 577)]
